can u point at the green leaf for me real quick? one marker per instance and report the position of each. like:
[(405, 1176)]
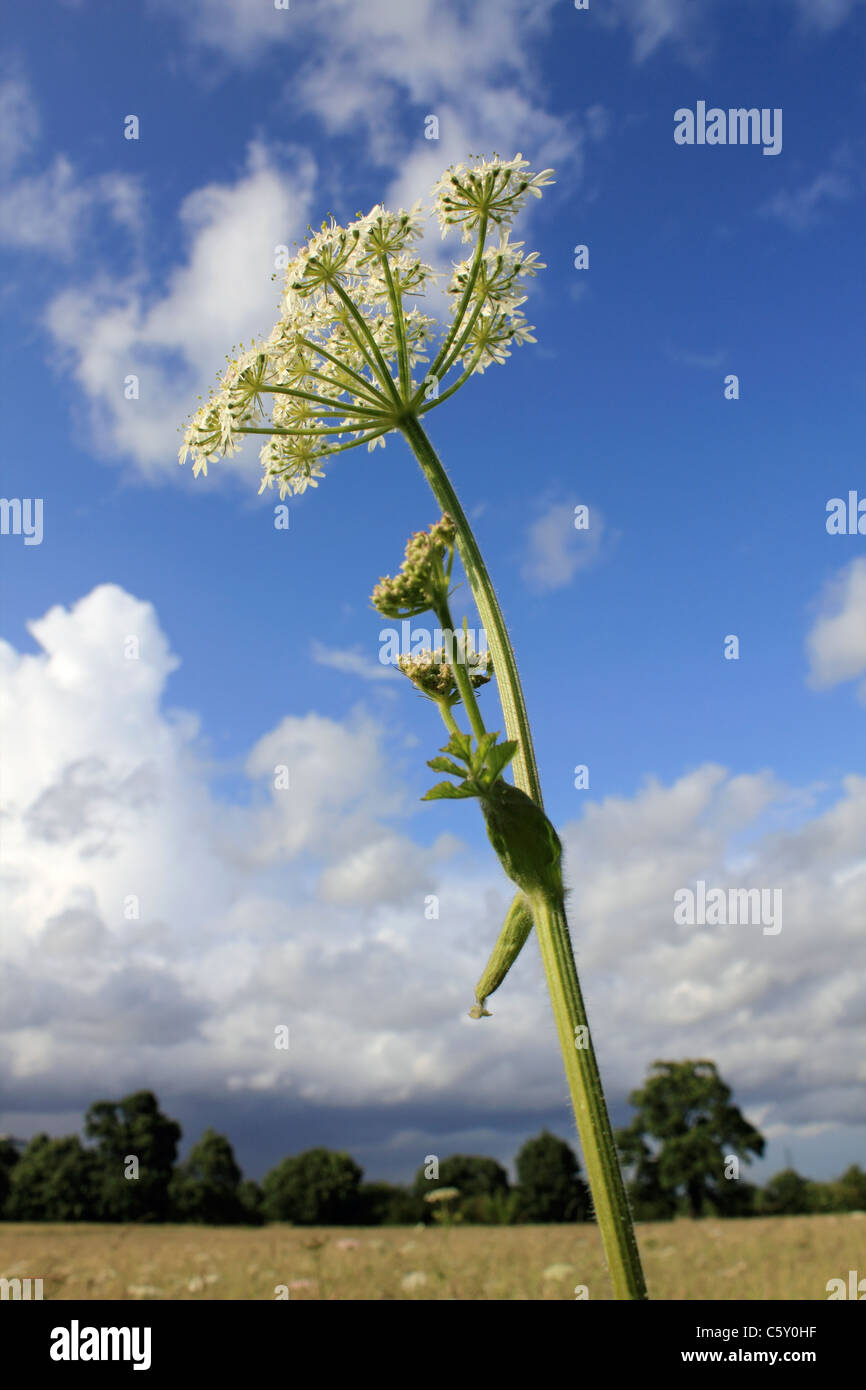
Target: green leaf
[(446, 765), (460, 745), (447, 791), (485, 743), (499, 758)]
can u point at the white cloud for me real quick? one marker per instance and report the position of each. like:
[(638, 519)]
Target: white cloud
[(353, 663), (802, 208), (175, 342), (370, 75), (836, 642), (827, 14), (655, 22), (19, 122), (556, 551), (709, 361), (49, 211), (308, 905), (52, 209), (688, 25), (357, 66)]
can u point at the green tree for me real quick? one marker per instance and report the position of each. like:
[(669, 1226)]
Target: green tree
[(133, 1128), (250, 1198), (316, 1188), (787, 1194), (849, 1191), (205, 1188), (473, 1175), (10, 1153), (686, 1125), (386, 1204), (650, 1201), (550, 1187), (54, 1180)]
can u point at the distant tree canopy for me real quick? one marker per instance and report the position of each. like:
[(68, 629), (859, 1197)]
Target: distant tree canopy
[(550, 1187), (848, 1193), (386, 1204), (683, 1135), (54, 1180), (133, 1136), (472, 1174), (482, 1189), (315, 1188), (206, 1187), (10, 1152), (786, 1194)]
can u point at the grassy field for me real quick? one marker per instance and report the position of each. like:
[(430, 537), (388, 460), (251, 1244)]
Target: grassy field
[(783, 1257)]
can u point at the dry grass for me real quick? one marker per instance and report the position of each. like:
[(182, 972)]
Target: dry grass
[(782, 1257)]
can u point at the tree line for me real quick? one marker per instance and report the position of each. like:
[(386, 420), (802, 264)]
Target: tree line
[(679, 1155)]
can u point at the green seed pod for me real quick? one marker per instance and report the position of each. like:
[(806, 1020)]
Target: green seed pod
[(518, 925)]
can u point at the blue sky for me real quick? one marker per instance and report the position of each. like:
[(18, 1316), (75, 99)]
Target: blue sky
[(154, 256)]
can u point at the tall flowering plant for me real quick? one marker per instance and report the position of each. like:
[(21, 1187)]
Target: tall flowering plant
[(351, 359)]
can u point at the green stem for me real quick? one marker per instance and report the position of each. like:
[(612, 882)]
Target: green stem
[(362, 382), (447, 717), (462, 306), (593, 1122), (336, 449), (461, 380), (504, 663), (584, 1082), (399, 327), (342, 408), (383, 374), (461, 673)]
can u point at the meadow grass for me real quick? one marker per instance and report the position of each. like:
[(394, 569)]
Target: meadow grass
[(779, 1257)]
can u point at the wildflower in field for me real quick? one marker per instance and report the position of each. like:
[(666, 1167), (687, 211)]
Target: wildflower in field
[(442, 1194), (347, 1244), (415, 1279), (557, 1271), (352, 358)]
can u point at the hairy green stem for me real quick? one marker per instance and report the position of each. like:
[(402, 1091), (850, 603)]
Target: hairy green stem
[(584, 1082), (459, 666)]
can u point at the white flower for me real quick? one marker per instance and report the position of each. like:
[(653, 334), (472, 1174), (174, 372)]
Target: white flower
[(496, 189), (336, 369)]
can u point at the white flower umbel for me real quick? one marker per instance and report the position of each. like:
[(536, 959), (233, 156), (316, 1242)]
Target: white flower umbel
[(338, 370)]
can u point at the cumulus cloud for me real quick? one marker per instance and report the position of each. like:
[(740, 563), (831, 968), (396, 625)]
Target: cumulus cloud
[(836, 642), (154, 934), (176, 340), (51, 209), (377, 71), (556, 550)]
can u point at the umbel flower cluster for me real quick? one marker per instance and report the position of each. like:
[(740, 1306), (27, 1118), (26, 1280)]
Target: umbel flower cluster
[(341, 367), (422, 581)]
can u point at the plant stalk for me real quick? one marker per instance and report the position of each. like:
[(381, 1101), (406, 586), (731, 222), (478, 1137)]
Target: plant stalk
[(593, 1122)]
